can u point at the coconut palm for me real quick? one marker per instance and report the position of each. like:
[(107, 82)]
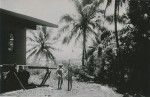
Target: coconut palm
[(102, 40), (40, 45), (117, 4), (80, 25), (119, 62)]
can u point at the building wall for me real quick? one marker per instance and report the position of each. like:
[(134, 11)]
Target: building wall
[(20, 46), (0, 41), (18, 55)]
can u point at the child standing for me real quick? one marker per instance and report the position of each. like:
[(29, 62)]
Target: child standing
[(59, 73)]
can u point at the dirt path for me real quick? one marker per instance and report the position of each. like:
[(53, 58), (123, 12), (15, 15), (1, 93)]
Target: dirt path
[(79, 90)]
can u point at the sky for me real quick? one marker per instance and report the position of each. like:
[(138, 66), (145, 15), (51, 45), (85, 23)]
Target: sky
[(48, 10)]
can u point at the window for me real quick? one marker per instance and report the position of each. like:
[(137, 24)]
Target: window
[(11, 42)]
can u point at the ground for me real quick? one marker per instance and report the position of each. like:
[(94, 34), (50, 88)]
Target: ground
[(80, 89)]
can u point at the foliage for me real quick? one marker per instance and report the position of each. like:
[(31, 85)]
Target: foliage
[(116, 18), (41, 47), (104, 59), (141, 21), (129, 73), (82, 26)]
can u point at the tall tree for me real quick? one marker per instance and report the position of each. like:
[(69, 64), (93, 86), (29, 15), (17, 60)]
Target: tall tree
[(117, 4), (82, 25), (119, 62)]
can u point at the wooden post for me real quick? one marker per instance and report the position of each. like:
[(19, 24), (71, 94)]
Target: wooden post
[(68, 76), (1, 80), (47, 75), (19, 81)]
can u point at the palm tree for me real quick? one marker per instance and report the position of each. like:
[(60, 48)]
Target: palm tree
[(40, 45), (85, 2), (82, 26), (101, 41), (116, 12), (118, 67)]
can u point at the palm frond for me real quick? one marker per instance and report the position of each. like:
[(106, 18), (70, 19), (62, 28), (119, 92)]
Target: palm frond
[(100, 11), (31, 49), (108, 4), (41, 37), (92, 24), (98, 23), (94, 8), (110, 19), (35, 37), (97, 40), (52, 48), (90, 10), (44, 30), (90, 30), (61, 31), (31, 54), (125, 30), (47, 37), (67, 18), (93, 48), (66, 40), (30, 39), (44, 34), (73, 32), (90, 52), (102, 29), (105, 35), (78, 36), (120, 19), (85, 2), (120, 3), (39, 51), (64, 28), (79, 7), (51, 43), (49, 55), (32, 44)]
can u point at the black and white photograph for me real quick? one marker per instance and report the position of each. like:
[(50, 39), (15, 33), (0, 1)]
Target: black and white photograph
[(74, 48)]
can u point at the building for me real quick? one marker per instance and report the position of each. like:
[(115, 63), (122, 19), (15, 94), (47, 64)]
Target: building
[(13, 28)]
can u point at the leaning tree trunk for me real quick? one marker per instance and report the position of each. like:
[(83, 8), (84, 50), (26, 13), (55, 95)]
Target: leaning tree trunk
[(84, 48)]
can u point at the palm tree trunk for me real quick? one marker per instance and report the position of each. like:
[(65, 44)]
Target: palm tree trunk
[(84, 48), (116, 67), (115, 21)]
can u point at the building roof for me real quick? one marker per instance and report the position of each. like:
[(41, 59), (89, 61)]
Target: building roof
[(27, 18)]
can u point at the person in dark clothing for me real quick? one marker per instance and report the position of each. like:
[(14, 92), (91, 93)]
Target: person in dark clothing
[(70, 74), (11, 81), (26, 77), (59, 73), (23, 75)]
